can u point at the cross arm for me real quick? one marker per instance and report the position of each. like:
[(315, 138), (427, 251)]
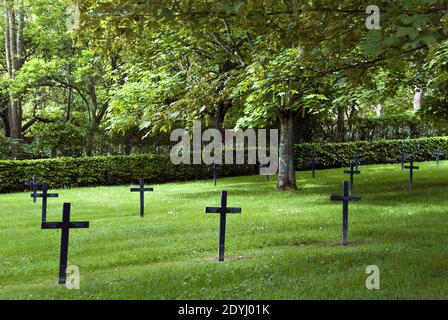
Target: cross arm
[(218, 210), (212, 210), (31, 183), (49, 195), (336, 198), (140, 189), (345, 198), (72, 225), (354, 172)]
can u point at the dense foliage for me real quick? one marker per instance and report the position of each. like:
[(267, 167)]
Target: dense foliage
[(335, 155), (157, 168), (104, 170), (116, 76)]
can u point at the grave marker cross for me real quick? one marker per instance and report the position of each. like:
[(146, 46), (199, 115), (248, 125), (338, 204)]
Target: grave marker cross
[(223, 211), (142, 191), (215, 170), (45, 195), (411, 168), (402, 157), (65, 227), (264, 170), (357, 161), (34, 184), (439, 154), (352, 172), (345, 198), (314, 165)]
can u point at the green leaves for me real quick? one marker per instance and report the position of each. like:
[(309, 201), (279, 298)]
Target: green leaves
[(410, 32)]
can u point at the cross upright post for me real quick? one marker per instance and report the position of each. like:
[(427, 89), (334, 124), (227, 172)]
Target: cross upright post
[(263, 170), (411, 168), (438, 154), (352, 172), (214, 169), (357, 161), (214, 174), (402, 157), (314, 165), (65, 227), (142, 191), (34, 184), (45, 195), (223, 211), (345, 198)]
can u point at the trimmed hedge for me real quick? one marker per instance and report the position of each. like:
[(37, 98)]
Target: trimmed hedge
[(107, 170), (336, 155), (157, 168)]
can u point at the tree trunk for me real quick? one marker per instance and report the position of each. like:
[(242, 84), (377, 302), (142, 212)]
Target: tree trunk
[(14, 60), (286, 170)]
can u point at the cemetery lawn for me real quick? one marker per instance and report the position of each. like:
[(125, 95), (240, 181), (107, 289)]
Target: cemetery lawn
[(282, 246)]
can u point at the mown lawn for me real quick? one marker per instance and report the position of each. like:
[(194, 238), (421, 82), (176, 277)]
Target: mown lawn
[(282, 246)]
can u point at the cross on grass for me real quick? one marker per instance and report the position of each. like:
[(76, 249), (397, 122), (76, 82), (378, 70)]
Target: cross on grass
[(142, 191), (45, 195), (346, 198), (65, 227), (223, 211), (34, 184)]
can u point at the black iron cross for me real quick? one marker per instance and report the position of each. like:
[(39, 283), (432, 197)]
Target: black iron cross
[(34, 184), (438, 154), (65, 227), (215, 169), (403, 157), (352, 172), (142, 191), (411, 168), (263, 170), (314, 165), (357, 161), (223, 211), (45, 195), (345, 198)]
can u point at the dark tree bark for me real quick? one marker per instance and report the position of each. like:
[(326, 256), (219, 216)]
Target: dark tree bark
[(286, 172)]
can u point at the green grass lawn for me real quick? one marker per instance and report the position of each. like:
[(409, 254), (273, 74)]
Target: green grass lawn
[(284, 245)]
